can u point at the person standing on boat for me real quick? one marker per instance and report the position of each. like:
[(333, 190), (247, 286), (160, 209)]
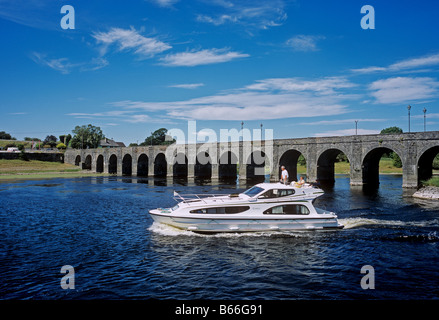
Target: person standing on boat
[(284, 175)]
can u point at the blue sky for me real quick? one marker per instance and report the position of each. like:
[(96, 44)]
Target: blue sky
[(301, 68)]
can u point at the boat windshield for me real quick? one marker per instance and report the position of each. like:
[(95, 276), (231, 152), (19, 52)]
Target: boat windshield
[(253, 191)]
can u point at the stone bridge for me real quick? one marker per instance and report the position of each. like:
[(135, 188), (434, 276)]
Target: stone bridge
[(221, 160)]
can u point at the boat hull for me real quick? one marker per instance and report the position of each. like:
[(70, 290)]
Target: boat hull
[(247, 224)]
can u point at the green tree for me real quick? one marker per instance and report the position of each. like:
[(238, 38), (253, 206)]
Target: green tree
[(50, 140), (391, 130), (436, 162), (86, 137), (61, 146), (6, 136), (158, 137), (301, 160), (341, 157), (67, 139), (31, 139), (396, 160)]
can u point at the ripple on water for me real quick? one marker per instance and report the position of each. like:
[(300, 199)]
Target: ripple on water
[(101, 227)]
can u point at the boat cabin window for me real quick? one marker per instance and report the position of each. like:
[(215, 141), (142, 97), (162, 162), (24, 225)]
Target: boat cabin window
[(288, 209), (253, 191), (216, 210), (276, 193)]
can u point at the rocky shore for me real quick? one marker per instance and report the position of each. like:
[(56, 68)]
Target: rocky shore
[(429, 192)]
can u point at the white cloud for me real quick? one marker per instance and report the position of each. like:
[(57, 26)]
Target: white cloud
[(256, 14), (94, 64), (345, 132), (428, 115), (304, 43), (404, 89), (369, 69), (326, 85), (187, 85), (254, 103), (404, 65), (130, 40), (62, 64), (126, 115), (138, 118), (416, 62), (217, 20), (165, 3), (115, 113), (342, 121), (202, 57)]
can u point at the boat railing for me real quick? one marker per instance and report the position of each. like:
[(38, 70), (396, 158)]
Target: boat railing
[(188, 198)]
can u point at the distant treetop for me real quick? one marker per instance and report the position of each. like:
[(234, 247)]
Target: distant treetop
[(391, 130)]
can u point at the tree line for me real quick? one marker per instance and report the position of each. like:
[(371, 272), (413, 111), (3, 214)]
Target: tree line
[(85, 137)]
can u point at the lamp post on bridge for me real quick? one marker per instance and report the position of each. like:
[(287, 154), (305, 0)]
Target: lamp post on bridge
[(425, 111), (408, 108), (356, 127)]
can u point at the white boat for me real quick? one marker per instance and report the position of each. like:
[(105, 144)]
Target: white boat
[(263, 207)]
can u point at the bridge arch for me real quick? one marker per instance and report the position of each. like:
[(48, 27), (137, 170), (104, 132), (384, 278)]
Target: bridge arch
[(255, 165), (127, 165), (112, 164), (160, 165), (371, 163), (289, 159), (77, 160), (203, 165), (425, 163), (142, 165), (180, 166), (326, 165), (100, 163), (227, 167), (86, 165)]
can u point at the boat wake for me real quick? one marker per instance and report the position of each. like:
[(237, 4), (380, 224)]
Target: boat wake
[(356, 222), (166, 230), (349, 223), (417, 238)]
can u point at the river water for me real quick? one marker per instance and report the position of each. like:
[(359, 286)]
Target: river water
[(100, 226)]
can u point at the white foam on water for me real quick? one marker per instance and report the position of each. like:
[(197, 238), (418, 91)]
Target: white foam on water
[(355, 222), (349, 223), (166, 230)]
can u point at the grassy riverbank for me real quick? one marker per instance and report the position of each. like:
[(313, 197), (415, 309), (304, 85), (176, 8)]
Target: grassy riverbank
[(432, 182), (386, 167), (34, 169)]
